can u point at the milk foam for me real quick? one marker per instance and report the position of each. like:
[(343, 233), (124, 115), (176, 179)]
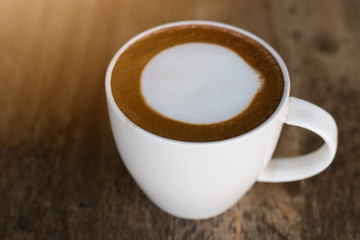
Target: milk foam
[(199, 83)]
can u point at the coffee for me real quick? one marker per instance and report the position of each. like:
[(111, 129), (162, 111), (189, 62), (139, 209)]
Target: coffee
[(197, 83)]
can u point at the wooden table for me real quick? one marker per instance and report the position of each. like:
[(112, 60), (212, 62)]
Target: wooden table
[(61, 175)]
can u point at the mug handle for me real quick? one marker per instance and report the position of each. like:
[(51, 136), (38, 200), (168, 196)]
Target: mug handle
[(309, 116)]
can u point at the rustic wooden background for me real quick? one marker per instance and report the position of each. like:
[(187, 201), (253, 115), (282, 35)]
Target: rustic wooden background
[(60, 174)]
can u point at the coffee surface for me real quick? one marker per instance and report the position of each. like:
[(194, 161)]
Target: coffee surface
[(197, 83)]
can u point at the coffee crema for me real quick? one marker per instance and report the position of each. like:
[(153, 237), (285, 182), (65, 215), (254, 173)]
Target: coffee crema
[(138, 88)]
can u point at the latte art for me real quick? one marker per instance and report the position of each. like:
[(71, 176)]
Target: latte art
[(199, 83), (196, 83)]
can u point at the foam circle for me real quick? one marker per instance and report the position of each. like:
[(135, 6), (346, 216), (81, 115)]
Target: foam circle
[(199, 83)]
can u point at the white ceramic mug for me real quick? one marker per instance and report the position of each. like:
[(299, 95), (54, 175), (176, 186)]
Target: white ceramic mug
[(197, 180)]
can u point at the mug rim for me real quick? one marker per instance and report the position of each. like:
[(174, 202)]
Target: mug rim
[(119, 113)]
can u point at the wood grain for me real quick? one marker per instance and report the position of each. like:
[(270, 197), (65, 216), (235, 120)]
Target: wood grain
[(61, 176)]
